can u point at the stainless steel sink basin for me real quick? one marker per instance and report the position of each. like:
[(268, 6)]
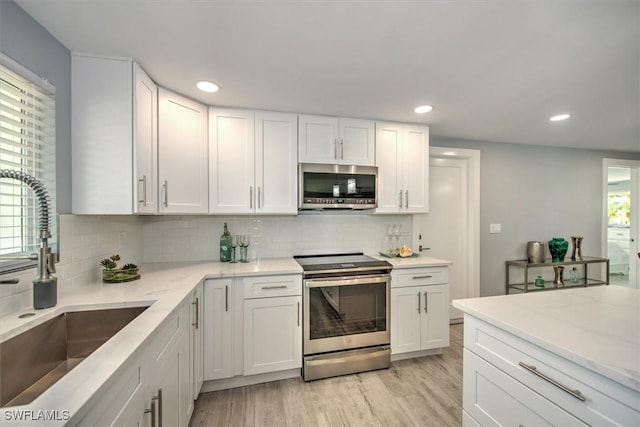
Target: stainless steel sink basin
[(33, 361)]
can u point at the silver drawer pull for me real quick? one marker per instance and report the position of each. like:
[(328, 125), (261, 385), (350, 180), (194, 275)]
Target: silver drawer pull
[(532, 369), (428, 276), (275, 287)]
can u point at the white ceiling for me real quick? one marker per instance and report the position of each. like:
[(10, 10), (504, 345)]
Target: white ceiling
[(493, 70)]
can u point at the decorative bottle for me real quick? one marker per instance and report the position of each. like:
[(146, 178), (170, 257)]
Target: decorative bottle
[(225, 245)]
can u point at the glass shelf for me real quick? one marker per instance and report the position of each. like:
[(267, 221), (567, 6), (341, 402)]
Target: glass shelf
[(529, 286)]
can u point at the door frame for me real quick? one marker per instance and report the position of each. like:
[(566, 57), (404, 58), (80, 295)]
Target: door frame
[(635, 209), (472, 158)]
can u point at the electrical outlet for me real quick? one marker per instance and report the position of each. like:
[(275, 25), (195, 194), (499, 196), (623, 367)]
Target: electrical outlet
[(495, 228)]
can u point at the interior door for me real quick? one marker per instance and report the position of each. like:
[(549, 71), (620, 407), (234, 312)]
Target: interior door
[(444, 229), (621, 221)]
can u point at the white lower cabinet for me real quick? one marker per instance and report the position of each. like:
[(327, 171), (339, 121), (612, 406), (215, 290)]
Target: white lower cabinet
[(419, 309), (218, 329), (272, 324), (196, 370), (493, 398), (154, 389), (252, 326), (510, 381)]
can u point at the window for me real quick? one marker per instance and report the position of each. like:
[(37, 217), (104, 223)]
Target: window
[(27, 144)]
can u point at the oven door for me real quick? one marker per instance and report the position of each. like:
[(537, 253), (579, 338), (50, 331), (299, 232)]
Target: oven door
[(343, 313)]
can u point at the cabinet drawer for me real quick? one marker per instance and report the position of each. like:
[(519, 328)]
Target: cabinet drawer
[(419, 276), (272, 286), (493, 398), (606, 402)]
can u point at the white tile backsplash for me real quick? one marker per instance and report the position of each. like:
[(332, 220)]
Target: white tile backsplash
[(85, 240), (197, 238)]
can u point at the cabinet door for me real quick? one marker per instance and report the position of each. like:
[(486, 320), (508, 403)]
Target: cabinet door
[(272, 334), (317, 139), (406, 316), (145, 142), (133, 412), (415, 168), (389, 161), (101, 135), (182, 154), (232, 156), (196, 369), (356, 145), (435, 316), (218, 329), (166, 389), (276, 177)]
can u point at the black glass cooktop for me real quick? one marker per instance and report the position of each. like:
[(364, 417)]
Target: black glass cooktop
[(339, 262)]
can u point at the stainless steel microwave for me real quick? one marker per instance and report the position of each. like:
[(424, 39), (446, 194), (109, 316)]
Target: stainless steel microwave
[(337, 186)]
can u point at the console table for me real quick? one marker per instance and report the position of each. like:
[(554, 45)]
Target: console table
[(528, 285)]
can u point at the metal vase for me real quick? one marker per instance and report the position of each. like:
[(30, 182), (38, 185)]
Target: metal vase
[(576, 251), (536, 252), (558, 281)]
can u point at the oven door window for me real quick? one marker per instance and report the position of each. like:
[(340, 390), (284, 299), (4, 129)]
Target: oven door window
[(347, 310)]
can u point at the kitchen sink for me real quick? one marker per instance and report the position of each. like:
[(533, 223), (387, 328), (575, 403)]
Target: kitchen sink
[(33, 361)]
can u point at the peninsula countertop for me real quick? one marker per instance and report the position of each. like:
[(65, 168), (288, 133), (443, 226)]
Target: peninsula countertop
[(596, 327)]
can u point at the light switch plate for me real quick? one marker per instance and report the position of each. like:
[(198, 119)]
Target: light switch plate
[(495, 228)]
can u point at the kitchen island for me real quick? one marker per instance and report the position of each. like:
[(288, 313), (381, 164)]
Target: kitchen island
[(570, 357)]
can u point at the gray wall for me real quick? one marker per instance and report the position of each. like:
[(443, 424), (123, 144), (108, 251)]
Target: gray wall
[(536, 193), (28, 43)]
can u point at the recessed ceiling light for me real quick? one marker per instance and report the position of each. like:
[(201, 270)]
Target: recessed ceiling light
[(206, 86), (423, 109), (559, 117), (449, 153)]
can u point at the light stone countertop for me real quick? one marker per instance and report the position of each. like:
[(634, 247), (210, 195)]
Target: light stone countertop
[(596, 327), (163, 287)]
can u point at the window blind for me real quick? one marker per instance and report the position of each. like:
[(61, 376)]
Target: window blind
[(27, 144)]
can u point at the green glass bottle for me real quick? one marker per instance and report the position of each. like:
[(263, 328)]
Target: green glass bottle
[(225, 245)]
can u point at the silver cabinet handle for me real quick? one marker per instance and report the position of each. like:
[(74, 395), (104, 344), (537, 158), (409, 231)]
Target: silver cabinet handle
[(226, 298), (152, 411), (428, 276), (425, 303), (250, 197), (197, 304), (400, 199), (418, 302), (406, 199), (533, 370), (11, 281), (143, 180), (341, 149), (166, 194), (298, 313), (259, 195), (159, 407), (275, 287)]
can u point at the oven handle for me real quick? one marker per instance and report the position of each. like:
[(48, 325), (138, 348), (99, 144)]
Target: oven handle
[(352, 280)]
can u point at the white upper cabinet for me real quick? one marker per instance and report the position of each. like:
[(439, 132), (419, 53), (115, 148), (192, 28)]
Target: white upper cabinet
[(182, 154), (145, 141), (113, 136), (334, 140), (402, 157), (231, 165), (276, 163), (253, 162)]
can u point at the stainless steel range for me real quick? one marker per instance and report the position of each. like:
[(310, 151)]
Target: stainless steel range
[(346, 302)]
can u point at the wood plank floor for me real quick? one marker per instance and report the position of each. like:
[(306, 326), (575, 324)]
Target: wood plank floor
[(426, 391)]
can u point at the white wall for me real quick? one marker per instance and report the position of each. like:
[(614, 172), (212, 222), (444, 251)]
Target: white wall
[(535, 193)]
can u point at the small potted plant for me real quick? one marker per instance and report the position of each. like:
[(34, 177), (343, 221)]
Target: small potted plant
[(111, 273)]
